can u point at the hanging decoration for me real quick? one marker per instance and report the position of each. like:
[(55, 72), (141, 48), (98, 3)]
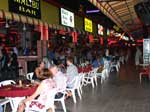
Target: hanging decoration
[(101, 41), (74, 37), (91, 38)]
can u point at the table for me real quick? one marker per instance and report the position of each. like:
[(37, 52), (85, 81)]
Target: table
[(16, 93), (84, 70)]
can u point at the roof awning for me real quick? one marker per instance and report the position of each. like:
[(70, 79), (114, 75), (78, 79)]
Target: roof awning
[(20, 18), (28, 20)]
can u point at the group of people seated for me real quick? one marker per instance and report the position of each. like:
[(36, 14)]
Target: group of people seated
[(51, 83)]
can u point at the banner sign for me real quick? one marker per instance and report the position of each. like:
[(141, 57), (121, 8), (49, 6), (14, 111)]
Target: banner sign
[(26, 7), (88, 25)]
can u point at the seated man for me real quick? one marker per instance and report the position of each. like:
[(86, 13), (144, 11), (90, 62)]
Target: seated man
[(60, 79), (71, 72)]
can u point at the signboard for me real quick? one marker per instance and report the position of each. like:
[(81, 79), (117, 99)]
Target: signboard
[(146, 51), (67, 18), (26, 7), (88, 25), (100, 29)]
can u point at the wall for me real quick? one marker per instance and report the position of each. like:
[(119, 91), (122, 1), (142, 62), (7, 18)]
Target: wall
[(79, 22), (94, 28), (4, 5), (50, 14)]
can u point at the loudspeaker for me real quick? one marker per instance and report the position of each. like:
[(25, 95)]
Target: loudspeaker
[(143, 11)]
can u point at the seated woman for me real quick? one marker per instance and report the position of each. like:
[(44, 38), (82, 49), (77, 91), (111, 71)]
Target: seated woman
[(39, 72), (45, 94)]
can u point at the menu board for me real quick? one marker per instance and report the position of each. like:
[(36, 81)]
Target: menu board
[(67, 18)]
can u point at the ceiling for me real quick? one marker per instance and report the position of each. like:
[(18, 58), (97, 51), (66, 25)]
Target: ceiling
[(77, 5), (122, 12)]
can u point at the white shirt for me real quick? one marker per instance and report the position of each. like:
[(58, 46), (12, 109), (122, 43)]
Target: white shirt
[(60, 79), (71, 73)]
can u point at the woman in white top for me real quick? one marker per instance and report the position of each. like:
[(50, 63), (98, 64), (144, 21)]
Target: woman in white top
[(45, 92)]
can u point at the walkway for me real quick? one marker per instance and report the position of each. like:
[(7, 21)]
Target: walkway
[(121, 93), (118, 94)]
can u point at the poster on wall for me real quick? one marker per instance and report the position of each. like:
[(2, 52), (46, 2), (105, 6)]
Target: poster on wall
[(67, 18), (29, 8), (88, 25)]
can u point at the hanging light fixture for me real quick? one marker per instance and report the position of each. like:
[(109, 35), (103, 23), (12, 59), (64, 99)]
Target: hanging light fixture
[(24, 27)]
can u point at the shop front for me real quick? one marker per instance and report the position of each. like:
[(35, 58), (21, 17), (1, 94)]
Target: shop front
[(31, 29)]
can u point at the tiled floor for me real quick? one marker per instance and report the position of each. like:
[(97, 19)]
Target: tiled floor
[(121, 93)]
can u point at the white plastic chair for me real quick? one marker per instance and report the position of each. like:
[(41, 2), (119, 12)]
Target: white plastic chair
[(7, 99), (29, 76), (7, 82), (75, 87), (81, 75), (103, 75), (114, 64), (62, 100), (14, 102), (95, 75), (3, 102), (107, 65), (89, 78)]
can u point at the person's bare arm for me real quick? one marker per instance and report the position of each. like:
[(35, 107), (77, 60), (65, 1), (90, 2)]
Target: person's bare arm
[(35, 94), (37, 72)]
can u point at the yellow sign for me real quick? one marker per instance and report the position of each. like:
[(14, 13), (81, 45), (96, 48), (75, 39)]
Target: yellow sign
[(88, 25)]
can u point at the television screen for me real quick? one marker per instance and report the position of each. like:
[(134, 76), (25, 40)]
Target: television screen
[(67, 18), (88, 25), (100, 29)]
